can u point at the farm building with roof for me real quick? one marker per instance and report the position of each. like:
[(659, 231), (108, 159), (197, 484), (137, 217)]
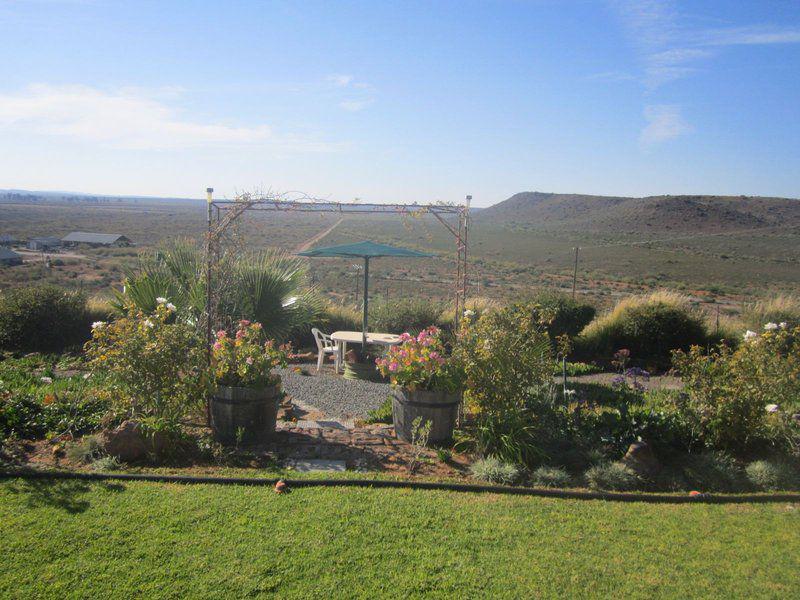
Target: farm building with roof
[(44, 243), (9, 257), (95, 239)]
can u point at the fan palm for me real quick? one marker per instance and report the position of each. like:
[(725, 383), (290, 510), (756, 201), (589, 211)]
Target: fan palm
[(268, 287)]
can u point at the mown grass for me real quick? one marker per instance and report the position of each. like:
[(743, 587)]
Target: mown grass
[(76, 539)]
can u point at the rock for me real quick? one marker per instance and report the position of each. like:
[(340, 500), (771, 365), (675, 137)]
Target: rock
[(640, 459), (129, 443)]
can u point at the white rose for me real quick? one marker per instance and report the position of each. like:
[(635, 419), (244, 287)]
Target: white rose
[(771, 326), (98, 324), (771, 408), (161, 300), (749, 335)]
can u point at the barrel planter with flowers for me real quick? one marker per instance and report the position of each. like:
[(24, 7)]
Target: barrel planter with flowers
[(244, 406), (426, 387)]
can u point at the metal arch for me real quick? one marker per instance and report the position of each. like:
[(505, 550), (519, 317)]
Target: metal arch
[(222, 213)]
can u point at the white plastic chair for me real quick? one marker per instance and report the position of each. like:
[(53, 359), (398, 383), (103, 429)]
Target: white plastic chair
[(325, 345)]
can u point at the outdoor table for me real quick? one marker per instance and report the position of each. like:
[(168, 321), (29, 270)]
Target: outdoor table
[(355, 337)]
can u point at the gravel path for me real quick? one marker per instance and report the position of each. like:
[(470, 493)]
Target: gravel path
[(335, 396)]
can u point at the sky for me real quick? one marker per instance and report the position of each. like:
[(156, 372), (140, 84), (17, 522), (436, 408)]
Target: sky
[(401, 101)]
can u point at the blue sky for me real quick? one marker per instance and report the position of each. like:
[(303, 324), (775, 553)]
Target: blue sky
[(401, 101)]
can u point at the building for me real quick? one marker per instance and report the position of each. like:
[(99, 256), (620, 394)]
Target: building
[(7, 240), (45, 244), (9, 257), (77, 238)]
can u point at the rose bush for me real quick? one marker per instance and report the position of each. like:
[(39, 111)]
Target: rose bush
[(157, 361), (743, 399), (245, 359), (508, 363)]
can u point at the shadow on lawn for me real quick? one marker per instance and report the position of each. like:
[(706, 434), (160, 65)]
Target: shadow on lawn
[(65, 494)]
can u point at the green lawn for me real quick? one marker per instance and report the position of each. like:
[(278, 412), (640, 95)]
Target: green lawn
[(76, 539)]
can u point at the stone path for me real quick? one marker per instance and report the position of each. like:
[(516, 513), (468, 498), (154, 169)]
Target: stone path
[(368, 448)]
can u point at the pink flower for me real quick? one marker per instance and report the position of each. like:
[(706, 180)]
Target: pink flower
[(217, 346), (240, 334), (221, 334), (249, 360), (244, 323), (405, 337), (393, 366)]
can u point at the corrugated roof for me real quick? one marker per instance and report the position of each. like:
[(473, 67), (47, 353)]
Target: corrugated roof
[(5, 254), (46, 240), (83, 237)]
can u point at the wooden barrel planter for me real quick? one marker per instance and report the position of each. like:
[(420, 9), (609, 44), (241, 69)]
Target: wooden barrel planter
[(440, 408), (253, 411)]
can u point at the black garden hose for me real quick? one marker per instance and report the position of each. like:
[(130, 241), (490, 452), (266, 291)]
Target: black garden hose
[(413, 485)]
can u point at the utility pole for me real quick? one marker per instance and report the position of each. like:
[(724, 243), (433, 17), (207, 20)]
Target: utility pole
[(575, 273)]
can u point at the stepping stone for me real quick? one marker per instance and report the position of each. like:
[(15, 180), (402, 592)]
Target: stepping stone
[(316, 464)]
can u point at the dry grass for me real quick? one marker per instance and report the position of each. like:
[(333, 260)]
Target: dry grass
[(783, 307), (616, 314)]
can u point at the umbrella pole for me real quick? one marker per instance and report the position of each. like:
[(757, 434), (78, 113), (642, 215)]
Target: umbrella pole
[(366, 304)]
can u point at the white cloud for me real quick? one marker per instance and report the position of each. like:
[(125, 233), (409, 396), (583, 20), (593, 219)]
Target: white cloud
[(360, 94), (611, 76), (340, 80), (737, 36), (128, 118), (354, 105), (670, 49), (664, 122)]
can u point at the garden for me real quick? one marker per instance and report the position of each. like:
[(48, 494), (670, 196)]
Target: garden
[(542, 392), (547, 395)]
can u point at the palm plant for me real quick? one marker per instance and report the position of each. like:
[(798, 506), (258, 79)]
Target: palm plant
[(268, 287)]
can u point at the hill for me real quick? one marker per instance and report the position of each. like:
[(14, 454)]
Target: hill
[(687, 214)]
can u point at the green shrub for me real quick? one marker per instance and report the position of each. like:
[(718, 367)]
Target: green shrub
[(85, 450), (741, 400), (567, 316), (382, 414), (34, 405), (713, 472), (400, 316), (576, 369), (106, 464), (494, 470), (159, 362), (772, 476), (444, 455), (650, 327), (613, 476), (616, 429), (551, 477), (42, 319), (508, 364)]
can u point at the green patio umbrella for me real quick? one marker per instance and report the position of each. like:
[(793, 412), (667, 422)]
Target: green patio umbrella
[(365, 250)]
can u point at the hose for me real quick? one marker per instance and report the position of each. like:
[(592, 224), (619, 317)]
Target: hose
[(413, 485)]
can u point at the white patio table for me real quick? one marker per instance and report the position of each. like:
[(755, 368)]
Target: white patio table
[(355, 337)]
